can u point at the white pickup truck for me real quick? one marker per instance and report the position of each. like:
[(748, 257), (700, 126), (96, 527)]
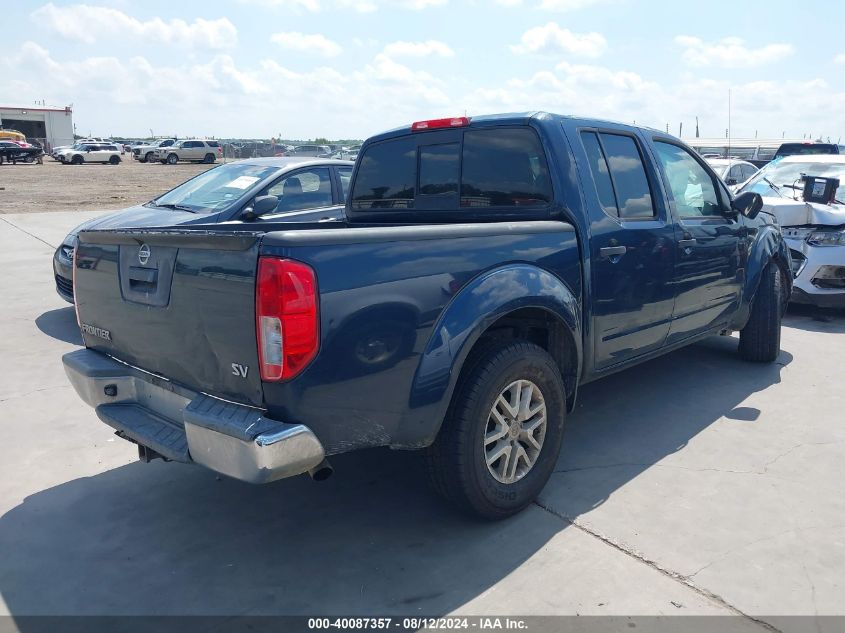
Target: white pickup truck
[(147, 153)]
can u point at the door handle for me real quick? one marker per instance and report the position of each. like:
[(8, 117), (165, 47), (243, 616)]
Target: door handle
[(687, 243), (612, 251)]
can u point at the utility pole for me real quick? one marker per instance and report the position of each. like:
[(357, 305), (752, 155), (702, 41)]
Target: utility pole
[(729, 122), (696, 127)]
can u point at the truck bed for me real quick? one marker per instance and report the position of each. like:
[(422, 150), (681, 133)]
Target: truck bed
[(188, 314)]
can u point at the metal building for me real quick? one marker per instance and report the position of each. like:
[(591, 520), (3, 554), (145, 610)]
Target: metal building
[(50, 126)]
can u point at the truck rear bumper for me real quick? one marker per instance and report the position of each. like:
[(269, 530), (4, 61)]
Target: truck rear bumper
[(185, 426)]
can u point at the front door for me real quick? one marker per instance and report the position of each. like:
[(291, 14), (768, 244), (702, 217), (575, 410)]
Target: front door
[(632, 250), (711, 255)]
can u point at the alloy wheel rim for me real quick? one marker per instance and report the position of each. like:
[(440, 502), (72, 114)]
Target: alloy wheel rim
[(515, 431)]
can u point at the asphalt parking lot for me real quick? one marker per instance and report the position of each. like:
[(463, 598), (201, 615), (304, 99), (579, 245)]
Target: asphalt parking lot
[(695, 484)]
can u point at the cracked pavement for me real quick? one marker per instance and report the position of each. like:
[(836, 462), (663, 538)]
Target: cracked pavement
[(695, 484)]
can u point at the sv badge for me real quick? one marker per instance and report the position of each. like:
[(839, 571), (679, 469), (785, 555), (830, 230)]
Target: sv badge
[(240, 370)]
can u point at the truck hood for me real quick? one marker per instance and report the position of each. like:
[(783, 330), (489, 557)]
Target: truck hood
[(799, 213)]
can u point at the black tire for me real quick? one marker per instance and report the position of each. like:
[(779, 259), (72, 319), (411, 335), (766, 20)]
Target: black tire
[(77, 160), (759, 340), (148, 158), (172, 159), (114, 160), (457, 462), (209, 159)]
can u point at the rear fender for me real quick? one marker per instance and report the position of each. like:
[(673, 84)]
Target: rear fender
[(471, 312)]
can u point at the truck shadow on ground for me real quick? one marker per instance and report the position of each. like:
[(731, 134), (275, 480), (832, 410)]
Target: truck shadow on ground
[(60, 324), (168, 538)]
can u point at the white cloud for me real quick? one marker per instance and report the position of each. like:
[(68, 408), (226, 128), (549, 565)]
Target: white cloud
[(582, 89), (565, 5), (552, 39), (307, 43), (418, 5), (295, 5), (219, 97), (91, 24), (730, 52), (360, 6), (418, 49), (839, 59)]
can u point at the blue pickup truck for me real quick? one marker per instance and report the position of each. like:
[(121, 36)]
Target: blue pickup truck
[(486, 269)]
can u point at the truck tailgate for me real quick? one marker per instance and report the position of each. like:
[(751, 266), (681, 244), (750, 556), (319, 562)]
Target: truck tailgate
[(177, 303)]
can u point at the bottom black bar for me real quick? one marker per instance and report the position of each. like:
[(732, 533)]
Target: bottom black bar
[(527, 624)]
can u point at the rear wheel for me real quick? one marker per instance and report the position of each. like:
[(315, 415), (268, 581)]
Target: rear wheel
[(759, 340), (172, 159), (77, 160), (114, 160), (209, 158), (501, 438)]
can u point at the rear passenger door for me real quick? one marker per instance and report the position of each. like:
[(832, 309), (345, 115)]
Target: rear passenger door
[(194, 150), (632, 246)]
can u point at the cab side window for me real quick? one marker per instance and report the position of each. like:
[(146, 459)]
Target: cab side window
[(692, 187), (619, 174)]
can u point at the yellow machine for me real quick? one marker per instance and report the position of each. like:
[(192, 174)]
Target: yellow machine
[(12, 135)]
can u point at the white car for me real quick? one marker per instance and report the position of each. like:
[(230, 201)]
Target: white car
[(90, 153), (734, 172), (54, 154), (814, 231)]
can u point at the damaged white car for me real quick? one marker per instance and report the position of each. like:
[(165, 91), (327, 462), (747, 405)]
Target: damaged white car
[(801, 192)]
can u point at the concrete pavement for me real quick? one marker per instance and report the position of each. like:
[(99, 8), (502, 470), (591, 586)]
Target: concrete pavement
[(695, 484)]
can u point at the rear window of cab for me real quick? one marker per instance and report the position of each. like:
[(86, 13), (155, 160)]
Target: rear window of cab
[(467, 169)]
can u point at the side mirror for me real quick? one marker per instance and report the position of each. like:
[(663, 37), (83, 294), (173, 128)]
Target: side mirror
[(748, 204), (260, 206)]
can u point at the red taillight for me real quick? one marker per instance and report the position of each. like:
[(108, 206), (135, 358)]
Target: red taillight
[(433, 124), (286, 319), (220, 150)]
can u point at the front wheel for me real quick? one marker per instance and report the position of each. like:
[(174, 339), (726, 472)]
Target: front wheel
[(501, 438), (148, 158), (759, 340), (172, 159), (77, 160)]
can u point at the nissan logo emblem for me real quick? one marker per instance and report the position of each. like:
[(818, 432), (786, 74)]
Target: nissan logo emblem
[(144, 254)]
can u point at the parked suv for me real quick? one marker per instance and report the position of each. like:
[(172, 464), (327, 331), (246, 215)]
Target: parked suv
[(199, 150), (319, 151)]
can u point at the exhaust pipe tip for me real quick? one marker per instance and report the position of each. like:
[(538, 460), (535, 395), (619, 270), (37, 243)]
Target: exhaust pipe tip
[(321, 471)]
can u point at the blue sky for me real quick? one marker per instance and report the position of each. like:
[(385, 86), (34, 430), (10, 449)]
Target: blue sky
[(350, 68)]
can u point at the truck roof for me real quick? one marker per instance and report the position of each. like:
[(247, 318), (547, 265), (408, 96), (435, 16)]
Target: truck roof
[(518, 118)]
